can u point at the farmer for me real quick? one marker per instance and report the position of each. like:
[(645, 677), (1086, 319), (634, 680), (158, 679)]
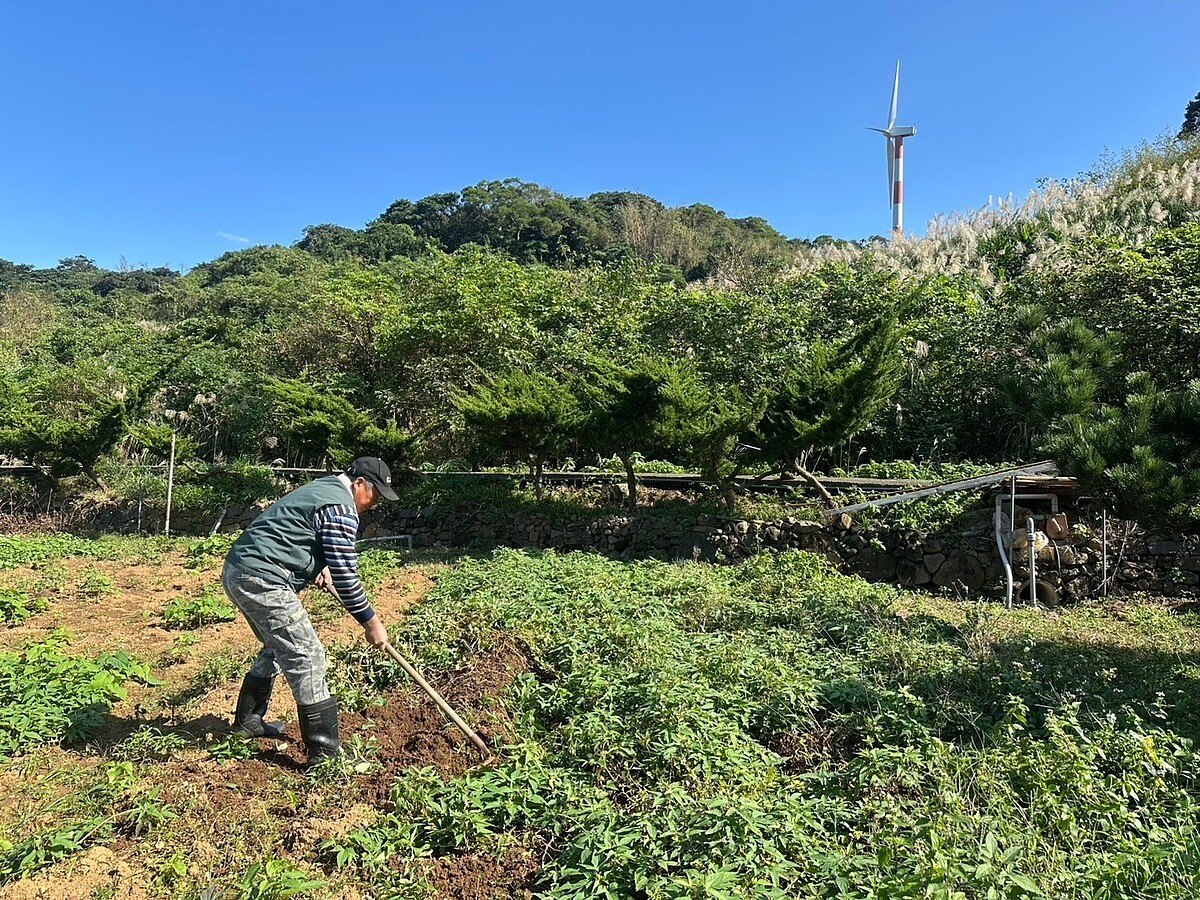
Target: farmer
[(305, 537)]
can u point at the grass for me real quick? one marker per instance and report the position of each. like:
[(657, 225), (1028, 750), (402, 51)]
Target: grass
[(775, 729), (771, 729)]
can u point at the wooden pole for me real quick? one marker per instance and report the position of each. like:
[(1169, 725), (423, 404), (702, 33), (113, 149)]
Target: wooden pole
[(426, 687)]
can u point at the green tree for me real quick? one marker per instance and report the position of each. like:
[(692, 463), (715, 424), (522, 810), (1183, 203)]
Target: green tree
[(36, 429), (833, 394), (1140, 454), (315, 428), (1066, 370), (626, 410), (708, 421), (533, 415), (1191, 120)]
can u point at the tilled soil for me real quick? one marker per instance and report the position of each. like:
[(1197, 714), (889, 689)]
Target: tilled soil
[(482, 878), (408, 731), (264, 806)]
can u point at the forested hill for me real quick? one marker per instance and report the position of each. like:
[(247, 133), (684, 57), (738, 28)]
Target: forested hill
[(527, 222), (533, 224), (509, 324)]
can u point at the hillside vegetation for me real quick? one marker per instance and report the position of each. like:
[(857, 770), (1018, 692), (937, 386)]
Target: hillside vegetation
[(1063, 325)]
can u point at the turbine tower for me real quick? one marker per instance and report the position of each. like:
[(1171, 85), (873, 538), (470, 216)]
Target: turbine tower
[(895, 156)]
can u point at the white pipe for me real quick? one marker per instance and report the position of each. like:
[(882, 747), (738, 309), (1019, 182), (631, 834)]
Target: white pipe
[(1008, 575), (1104, 546), (1031, 535), (170, 485), (1005, 557)]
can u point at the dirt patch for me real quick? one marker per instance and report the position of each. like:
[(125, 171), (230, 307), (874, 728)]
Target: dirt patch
[(95, 871), (390, 599), (237, 810), (409, 731), (804, 751), (481, 877), (107, 604)]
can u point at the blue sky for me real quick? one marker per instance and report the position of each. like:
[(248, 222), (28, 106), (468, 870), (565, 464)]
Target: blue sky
[(167, 133)]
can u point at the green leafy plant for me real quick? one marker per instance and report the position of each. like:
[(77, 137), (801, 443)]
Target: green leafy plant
[(181, 649), (48, 847), (149, 744), (17, 606), (193, 612), (201, 552), (94, 585), (233, 746), (274, 879), (47, 695)]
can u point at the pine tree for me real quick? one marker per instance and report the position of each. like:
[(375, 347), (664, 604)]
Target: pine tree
[(626, 412), (530, 414), (1191, 120), (707, 422), (1140, 455), (832, 395)]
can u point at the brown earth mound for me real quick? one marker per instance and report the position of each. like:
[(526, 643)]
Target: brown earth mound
[(481, 877), (409, 731)]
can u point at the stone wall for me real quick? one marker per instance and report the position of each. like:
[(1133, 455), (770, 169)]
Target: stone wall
[(963, 559)]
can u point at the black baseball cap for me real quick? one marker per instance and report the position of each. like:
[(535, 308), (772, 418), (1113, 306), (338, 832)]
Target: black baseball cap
[(375, 470)]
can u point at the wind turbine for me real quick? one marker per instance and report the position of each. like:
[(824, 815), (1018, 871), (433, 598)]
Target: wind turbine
[(895, 156)]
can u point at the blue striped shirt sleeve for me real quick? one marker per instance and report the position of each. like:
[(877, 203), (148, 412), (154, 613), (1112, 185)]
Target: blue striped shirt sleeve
[(337, 527)]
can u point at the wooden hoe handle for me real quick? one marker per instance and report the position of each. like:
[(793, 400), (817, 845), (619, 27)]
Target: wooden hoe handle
[(437, 698)]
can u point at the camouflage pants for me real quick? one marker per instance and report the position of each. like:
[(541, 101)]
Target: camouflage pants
[(280, 622)]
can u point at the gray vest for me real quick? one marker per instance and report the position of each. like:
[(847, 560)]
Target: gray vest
[(281, 546)]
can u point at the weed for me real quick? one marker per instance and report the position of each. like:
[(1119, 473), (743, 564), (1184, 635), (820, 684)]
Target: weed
[(29, 550), (93, 586), (17, 606), (210, 607), (679, 740), (375, 565), (149, 744), (274, 879), (217, 669), (172, 870), (48, 695), (181, 649), (357, 758), (199, 553), (112, 805), (144, 813), (359, 675), (233, 746), (51, 579), (220, 667), (48, 847)]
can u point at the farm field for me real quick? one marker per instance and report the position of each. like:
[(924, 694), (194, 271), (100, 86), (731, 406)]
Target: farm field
[(664, 731)]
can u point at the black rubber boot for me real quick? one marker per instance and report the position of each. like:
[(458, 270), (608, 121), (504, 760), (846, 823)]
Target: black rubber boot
[(319, 728), (252, 706)]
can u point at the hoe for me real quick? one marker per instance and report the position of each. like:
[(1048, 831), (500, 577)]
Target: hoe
[(433, 695)]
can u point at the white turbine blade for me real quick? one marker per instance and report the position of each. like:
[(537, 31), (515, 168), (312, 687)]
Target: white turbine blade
[(891, 155), (895, 97)]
